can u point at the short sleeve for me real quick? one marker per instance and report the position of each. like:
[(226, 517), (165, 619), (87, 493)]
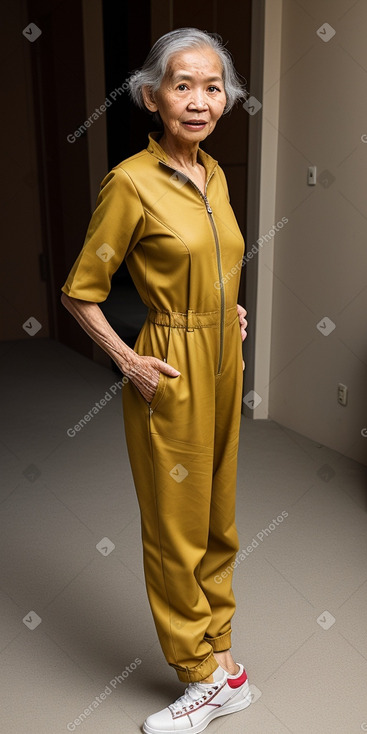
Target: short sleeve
[(116, 225)]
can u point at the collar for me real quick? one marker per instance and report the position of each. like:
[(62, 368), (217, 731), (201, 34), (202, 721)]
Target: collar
[(209, 163)]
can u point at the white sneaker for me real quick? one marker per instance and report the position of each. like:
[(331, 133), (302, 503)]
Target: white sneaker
[(201, 703)]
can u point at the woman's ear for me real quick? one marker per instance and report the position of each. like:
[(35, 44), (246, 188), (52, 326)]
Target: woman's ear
[(148, 98)]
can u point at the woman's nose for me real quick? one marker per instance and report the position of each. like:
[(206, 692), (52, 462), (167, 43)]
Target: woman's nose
[(198, 101)]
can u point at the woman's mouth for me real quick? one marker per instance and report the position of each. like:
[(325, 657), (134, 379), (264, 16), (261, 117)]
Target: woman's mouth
[(194, 124)]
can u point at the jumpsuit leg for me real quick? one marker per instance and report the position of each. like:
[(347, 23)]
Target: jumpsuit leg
[(216, 571), (174, 450)]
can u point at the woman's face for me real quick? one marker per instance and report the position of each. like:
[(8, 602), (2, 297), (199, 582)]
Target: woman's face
[(191, 97)]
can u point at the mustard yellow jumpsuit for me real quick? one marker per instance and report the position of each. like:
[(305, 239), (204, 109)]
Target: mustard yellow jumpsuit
[(181, 249)]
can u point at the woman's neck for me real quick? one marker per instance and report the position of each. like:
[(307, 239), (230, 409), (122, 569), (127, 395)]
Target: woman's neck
[(184, 156)]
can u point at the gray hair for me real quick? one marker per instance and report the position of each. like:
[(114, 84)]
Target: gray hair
[(155, 65)]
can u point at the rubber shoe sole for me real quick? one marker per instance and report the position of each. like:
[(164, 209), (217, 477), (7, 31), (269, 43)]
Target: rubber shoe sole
[(230, 708)]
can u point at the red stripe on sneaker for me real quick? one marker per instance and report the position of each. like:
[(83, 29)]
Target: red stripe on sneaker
[(237, 682)]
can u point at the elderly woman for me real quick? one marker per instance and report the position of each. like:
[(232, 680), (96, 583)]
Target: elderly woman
[(166, 210)]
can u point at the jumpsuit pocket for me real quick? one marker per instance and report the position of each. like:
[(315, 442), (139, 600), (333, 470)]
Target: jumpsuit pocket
[(158, 395)]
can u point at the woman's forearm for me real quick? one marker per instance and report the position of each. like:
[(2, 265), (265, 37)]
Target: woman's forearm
[(92, 320)]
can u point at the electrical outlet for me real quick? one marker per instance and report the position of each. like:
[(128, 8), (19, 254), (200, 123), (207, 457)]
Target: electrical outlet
[(342, 394)]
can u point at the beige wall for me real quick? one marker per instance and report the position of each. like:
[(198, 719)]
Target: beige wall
[(23, 293), (267, 202), (319, 264)]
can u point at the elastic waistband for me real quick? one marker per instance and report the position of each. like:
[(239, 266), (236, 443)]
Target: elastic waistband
[(191, 319)]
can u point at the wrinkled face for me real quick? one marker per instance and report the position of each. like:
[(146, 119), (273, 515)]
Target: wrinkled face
[(191, 97)]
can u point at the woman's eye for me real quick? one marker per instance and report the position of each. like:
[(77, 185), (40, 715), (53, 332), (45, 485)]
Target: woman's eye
[(214, 89), (182, 87)]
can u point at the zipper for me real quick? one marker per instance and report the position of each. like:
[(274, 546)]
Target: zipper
[(219, 264), (220, 274)]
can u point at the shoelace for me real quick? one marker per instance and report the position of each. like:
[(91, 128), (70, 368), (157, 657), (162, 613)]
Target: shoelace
[(194, 694)]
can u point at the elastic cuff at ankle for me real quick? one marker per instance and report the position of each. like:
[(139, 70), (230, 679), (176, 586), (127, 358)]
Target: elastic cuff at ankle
[(199, 672), (220, 643)]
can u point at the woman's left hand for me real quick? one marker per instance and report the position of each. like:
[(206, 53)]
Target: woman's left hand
[(243, 323)]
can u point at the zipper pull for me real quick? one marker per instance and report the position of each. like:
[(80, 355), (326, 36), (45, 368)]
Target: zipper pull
[(208, 207)]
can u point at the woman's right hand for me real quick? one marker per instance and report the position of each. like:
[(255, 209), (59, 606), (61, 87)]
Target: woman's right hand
[(142, 371), (144, 374)]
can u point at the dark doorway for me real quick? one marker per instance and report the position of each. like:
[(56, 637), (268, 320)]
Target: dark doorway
[(57, 67), (127, 40)]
